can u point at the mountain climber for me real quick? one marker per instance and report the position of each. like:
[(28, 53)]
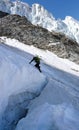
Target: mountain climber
[(36, 59)]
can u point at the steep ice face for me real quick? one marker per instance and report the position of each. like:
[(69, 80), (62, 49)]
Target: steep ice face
[(21, 9), (73, 26), (41, 16), (19, 83), (5, 5), (17, 7)]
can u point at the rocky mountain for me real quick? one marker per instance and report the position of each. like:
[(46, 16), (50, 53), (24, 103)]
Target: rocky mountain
[(38, 15), (2, 14), (15, 26)]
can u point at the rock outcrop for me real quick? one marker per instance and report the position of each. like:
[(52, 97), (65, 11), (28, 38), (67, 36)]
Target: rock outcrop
[(15, 26)]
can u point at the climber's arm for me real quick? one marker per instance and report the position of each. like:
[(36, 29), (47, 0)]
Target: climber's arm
[(31, 61)]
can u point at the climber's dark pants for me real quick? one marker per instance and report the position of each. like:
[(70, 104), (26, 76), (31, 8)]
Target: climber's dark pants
[(37, 66)]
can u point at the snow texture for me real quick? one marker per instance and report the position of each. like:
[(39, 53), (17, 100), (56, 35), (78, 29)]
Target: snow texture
[(19, 83), (57, 106), (51, 117)]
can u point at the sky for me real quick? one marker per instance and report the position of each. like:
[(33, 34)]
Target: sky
[(59, 8)]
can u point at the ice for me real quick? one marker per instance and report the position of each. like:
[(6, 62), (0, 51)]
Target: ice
[(53, 106), (19, 83), (51, 117)]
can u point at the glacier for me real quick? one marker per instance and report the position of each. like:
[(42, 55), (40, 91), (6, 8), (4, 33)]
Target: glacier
[(38, 15), (30, 100), (19, 84), (51, 117)]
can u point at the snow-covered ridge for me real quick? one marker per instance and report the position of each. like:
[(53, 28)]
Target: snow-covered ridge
[(40, 16)]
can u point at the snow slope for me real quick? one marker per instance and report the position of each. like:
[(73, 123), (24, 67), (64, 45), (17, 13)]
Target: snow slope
[(57, 107), (47, 56), (38, 15), (19, 83)]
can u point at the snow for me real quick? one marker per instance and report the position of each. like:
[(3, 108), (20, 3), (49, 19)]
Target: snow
[(21, 9), (51, 117), (16, 76), (57, 106), (47, 56), (53, 44), (38, 15), (73, 26)]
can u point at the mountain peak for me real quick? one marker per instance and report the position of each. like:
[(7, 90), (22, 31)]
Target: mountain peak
[(38, 15), (68, 18), (41, 10)]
